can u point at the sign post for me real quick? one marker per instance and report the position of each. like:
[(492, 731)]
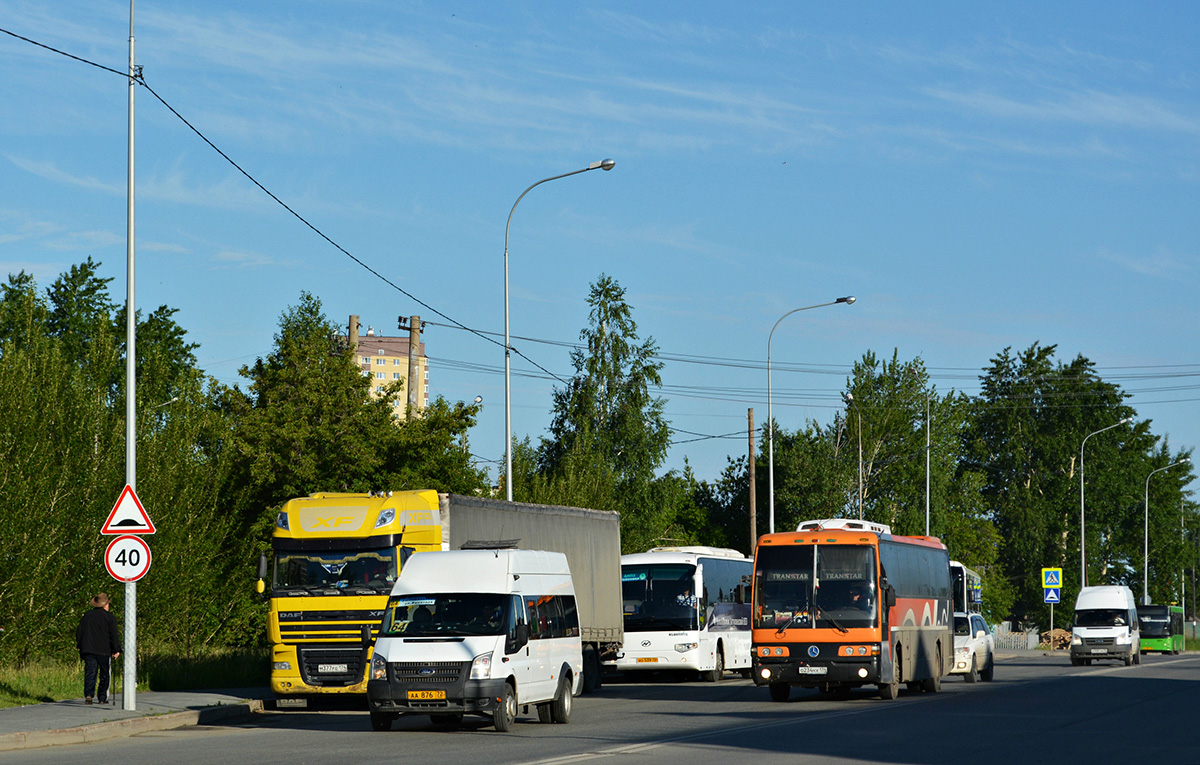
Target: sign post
[(127, 560), (1051, 593)]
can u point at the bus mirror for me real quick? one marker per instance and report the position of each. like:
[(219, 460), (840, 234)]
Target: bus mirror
[(740, 596), (889, 595)]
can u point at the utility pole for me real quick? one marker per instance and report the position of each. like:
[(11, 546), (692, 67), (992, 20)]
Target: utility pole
[(414, 370), (753, 503)]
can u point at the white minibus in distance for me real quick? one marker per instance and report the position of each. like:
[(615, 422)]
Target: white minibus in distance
[(479, 632), (1105, 626), (686, 608)]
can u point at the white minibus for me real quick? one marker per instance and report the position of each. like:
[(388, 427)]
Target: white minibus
[(686, 608), (1105, 626), (479, 632)]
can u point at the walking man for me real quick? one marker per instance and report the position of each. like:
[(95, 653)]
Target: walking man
[(97, 641)]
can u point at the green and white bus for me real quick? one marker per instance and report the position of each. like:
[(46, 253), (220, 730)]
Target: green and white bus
[(1161, 628)]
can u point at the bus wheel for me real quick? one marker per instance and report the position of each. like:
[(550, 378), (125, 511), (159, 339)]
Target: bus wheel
[(889, 691), (934, 684), (780, 691), (718, 671)]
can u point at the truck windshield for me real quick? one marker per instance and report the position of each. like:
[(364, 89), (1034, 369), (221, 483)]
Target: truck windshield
[(1102, 617), (659, 597), (447, 615), (371, 569), (815, 586)]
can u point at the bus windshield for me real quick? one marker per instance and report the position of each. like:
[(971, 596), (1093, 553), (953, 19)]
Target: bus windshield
[(658, 597), (815, 586)]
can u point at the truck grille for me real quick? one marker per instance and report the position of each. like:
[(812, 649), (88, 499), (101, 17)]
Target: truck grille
[(428, 672), (331, 667), (326, 626)]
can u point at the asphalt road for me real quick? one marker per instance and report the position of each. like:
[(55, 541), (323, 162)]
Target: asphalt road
[(1038, 709)]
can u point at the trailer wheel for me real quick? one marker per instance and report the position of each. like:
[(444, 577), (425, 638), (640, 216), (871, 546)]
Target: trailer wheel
[(780, 691)]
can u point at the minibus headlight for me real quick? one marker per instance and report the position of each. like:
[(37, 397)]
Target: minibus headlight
[(1076, 640), (1122, 639), (378, 667), (481, 668), (685, 647)]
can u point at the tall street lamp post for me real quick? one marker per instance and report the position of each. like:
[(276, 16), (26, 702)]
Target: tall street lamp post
[(604, 164), (849, 300), (1082, 536), (1146, 533), (858, 412)]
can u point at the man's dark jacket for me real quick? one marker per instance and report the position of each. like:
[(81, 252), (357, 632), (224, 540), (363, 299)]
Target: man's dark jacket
[(97, 633)]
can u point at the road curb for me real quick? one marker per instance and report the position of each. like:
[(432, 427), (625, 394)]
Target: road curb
[(84, 734)]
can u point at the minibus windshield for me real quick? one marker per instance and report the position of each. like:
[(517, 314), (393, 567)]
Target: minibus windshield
[(446, 615)]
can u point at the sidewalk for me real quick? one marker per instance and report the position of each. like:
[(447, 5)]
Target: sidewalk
[(73, 722)]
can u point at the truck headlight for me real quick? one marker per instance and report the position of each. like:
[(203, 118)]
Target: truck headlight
[(386, 516), (282, 666), (481, 668), (378, 667), (685, 647)]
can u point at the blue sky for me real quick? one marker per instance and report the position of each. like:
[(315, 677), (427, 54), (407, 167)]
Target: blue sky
[(979, 176)]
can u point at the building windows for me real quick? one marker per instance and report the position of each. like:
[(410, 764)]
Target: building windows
[(395, 375), (380, 362), (395, 362), (379, 375), (366, 359)]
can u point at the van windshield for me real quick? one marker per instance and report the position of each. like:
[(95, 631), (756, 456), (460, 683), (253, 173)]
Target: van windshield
[(1102, 617), (447, 615)]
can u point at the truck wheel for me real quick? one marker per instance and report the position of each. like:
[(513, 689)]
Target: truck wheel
[(382, 720), (972, 673), (560, 707), (591, 670), (780, 691), (506, 712), (717, 672)]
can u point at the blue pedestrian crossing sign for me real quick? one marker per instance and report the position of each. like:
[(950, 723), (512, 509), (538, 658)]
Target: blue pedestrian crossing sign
[(1051, 595), (1051, 577)]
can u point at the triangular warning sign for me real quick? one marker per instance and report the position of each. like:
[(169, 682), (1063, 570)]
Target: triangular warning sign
[(128, 516)]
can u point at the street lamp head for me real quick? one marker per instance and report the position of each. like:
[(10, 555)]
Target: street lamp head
[(1125, 421), (479, 399), (848, 397), (604, 164), (848, 300)]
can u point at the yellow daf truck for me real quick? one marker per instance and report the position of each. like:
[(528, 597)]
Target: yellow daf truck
[(335, 558)]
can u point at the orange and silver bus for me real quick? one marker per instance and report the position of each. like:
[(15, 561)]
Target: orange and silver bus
[(840, 603)]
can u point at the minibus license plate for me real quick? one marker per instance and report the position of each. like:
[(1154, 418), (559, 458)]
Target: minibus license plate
[(1099, 650), (651, 660), (426, 695), (332, 669), (811, 670)]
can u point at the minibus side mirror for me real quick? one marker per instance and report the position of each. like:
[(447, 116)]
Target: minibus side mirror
[(518, 639)]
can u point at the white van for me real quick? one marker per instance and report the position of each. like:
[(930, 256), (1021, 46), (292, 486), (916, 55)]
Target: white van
[(1106, 626), (479, 632)]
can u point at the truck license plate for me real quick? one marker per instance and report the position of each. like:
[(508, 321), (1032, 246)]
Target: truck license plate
[(811, 670), (333, 669), (648, 661), (426, 695)]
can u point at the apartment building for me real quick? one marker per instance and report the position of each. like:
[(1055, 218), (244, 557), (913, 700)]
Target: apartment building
[(387, 359)]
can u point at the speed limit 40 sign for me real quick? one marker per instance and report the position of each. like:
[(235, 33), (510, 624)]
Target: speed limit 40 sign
[(127, 558)]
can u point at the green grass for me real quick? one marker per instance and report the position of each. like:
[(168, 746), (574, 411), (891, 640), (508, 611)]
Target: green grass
[(54, 680)]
